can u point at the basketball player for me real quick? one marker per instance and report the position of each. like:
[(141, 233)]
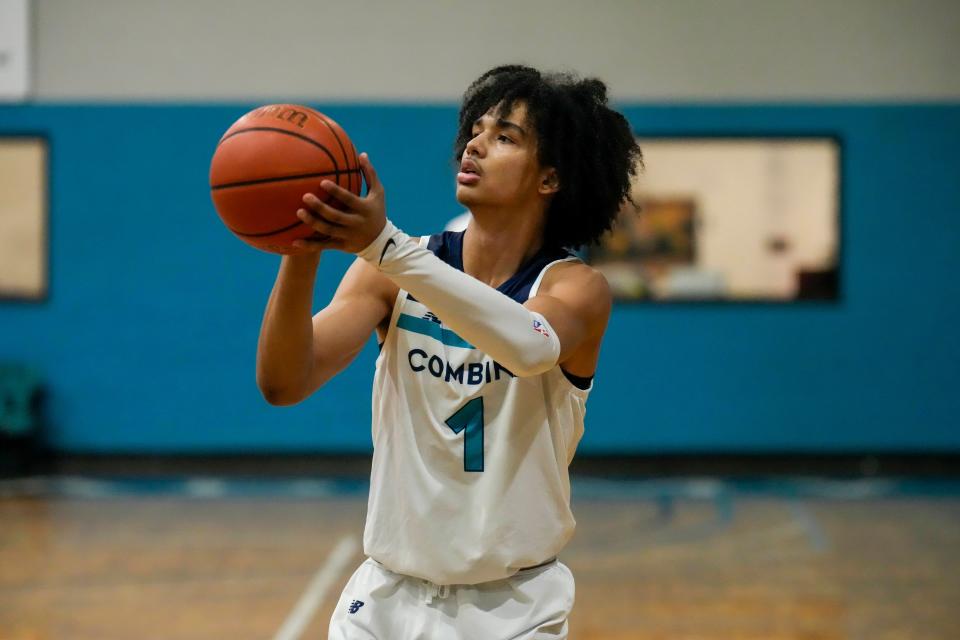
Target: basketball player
[(489, 341)]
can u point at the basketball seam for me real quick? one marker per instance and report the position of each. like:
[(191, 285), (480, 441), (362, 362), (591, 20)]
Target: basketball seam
[(336, 165), (265, 233), (346, 158), (246, 183)]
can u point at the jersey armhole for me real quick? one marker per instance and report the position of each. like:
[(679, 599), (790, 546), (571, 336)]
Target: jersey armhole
[(535, 287), (580, 382), (397, 307)]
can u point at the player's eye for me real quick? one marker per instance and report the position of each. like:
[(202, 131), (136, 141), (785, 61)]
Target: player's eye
[(503, 138)]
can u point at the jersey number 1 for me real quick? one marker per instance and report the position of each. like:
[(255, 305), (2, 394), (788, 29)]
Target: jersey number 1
[(469, 419)]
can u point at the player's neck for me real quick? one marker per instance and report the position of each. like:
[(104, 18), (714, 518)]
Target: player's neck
[(496, 244)]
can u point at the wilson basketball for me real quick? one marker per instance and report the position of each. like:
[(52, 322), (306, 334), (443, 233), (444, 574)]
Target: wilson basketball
[(267, 160)]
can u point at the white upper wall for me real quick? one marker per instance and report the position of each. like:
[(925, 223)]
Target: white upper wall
[(414, 50)]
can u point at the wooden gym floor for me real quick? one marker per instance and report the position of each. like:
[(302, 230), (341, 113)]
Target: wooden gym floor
[(696, 559)]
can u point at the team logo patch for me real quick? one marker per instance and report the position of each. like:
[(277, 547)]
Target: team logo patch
[(355, 606), (539, 328)]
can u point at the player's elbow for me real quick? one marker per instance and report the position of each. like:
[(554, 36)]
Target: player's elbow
[(533, 365), (280, 395), (539, 353)]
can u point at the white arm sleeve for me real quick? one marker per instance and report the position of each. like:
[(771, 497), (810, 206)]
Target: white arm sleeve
[(519, 339)]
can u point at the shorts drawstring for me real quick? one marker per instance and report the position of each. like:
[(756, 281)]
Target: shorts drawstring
[(433, 591)]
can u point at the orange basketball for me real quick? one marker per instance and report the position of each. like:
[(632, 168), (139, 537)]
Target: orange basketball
[(264, 164)]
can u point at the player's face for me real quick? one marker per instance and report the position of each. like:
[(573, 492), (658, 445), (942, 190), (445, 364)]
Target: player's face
[(499, 166)]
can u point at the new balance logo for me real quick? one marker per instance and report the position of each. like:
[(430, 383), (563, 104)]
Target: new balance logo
[(355, 606), (432, 318)]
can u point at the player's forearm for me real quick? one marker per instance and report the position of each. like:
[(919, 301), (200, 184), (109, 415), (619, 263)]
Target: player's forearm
[(285, 348), (511, 334)]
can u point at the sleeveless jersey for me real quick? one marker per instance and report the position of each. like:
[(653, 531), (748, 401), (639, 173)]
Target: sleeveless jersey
[(469, 481)]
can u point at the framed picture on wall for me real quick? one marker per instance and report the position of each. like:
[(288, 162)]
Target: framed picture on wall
[(731, 218), (24, 252)]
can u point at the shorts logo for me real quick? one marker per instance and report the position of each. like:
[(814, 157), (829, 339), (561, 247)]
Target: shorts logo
[(355, 606), (539, 328)]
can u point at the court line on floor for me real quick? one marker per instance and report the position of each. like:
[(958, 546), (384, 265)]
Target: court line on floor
[(336, 563), (815, 533)]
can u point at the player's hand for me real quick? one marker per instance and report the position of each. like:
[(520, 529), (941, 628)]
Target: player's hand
[(352, 228)]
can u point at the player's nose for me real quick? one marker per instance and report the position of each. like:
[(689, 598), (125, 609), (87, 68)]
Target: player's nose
[(475, 146)]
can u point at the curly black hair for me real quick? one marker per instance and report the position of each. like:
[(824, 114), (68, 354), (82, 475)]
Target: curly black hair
[(590, 145)]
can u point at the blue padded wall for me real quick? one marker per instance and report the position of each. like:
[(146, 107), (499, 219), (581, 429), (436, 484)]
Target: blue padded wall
[(148, 337)]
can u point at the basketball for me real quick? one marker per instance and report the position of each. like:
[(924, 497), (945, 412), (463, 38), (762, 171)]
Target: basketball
[(264, 164)]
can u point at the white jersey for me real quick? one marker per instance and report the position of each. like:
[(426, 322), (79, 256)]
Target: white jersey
[(469, 480)]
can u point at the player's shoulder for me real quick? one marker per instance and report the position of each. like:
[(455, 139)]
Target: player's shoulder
[(579, 285), (575, 273)]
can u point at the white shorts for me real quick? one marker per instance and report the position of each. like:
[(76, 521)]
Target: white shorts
[(378, 604)]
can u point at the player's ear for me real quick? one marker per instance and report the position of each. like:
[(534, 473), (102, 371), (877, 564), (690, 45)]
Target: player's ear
[(549, 181)]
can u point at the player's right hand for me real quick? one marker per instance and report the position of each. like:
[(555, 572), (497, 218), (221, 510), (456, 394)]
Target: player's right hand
[(352, 228)]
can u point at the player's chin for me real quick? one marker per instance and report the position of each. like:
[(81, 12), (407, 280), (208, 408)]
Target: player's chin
[(467, 195)]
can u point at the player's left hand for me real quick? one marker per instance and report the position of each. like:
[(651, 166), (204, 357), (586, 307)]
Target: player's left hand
[(352, 228)]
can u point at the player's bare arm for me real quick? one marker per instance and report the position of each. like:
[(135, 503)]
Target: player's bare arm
[(297, 354)]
